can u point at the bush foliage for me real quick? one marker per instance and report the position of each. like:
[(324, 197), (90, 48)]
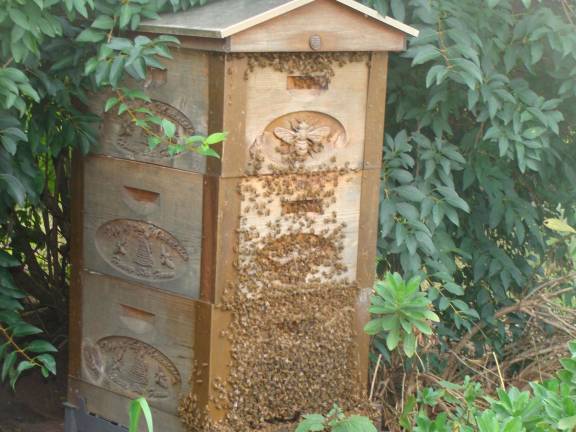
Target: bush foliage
[(479, 151)]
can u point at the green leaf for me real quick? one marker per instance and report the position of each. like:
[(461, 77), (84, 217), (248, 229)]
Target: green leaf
[(125, 15), (207, 151), (116, 70), (19, 18), (25, 329), (567, 423), (409, 344), (373, 327), (14, 186), (153, 141), (354, 424), (48, 361), (40, 346), (534, 132), (103, 22), (169, 128), (110, 103), (410, 193), (216, 138), (23, 366), (454, 288), (425, 54), (452, 198), (138, 406), (91, 35), (393, 339), (120, 44), (9, 362), (398, 9), (311, 423), (80, 6)]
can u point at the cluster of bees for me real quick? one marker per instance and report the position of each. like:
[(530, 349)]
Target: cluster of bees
[(318, 65), (292, 303)]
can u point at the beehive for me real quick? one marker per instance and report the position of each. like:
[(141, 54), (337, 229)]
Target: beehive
[(232, 293)]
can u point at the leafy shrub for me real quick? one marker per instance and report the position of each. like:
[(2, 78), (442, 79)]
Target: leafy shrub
[(479, 152), (548, 406), (17, 357)]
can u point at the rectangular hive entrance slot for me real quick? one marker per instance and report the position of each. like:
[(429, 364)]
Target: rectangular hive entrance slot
[(232, 292)]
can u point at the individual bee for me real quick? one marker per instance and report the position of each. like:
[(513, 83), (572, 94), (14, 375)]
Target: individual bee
[(303, 140)]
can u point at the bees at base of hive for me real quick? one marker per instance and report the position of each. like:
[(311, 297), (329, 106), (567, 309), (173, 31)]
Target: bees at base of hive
[(292, 305)]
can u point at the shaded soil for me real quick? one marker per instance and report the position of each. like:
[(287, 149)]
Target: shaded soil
[(36, 406)]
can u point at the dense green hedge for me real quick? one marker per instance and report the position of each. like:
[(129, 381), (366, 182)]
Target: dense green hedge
[(480, 150)]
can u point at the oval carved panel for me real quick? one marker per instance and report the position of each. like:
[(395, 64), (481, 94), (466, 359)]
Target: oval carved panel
[(132, 367), (303, 137), (141, 250), (132, 140)]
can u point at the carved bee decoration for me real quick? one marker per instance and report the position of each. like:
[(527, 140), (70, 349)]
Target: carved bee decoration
[(302, 141)]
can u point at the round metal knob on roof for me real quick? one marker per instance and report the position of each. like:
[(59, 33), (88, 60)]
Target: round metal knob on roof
[(315, 42)]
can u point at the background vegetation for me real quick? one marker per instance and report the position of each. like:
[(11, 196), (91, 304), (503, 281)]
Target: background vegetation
[(479, 152)]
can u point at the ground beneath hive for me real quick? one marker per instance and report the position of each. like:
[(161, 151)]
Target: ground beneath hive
[(36, 406)]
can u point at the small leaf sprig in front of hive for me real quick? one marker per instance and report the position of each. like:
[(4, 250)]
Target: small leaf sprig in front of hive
[(160, 131)]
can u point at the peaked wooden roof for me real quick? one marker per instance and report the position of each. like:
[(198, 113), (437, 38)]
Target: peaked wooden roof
[(223, 18)]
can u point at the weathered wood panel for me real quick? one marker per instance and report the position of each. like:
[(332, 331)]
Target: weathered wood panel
[(228, 98), (340, 29), (294, 119), (115, 407), (180, 94), (137, 341), (144, 223), (376, 111), (77, 264), (315, 213)]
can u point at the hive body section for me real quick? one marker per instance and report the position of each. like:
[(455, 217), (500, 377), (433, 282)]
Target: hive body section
[(232, 293)]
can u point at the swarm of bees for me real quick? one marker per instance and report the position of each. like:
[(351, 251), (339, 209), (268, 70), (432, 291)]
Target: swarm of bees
[(292, 303), (320, 65)]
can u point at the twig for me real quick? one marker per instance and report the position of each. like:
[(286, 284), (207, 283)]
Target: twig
[(374, 377), (16, 347), (499, 371)]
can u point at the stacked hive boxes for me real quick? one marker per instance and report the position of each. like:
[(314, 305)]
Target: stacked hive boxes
[(232, 293)]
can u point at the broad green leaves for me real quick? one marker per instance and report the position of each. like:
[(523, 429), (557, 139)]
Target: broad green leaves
[(477, 125), (18, 355)]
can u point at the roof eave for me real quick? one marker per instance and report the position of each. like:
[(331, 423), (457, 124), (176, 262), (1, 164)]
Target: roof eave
[(271, 14)]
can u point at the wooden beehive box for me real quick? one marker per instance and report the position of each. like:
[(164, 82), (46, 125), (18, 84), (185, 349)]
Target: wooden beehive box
[(232, 293)]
